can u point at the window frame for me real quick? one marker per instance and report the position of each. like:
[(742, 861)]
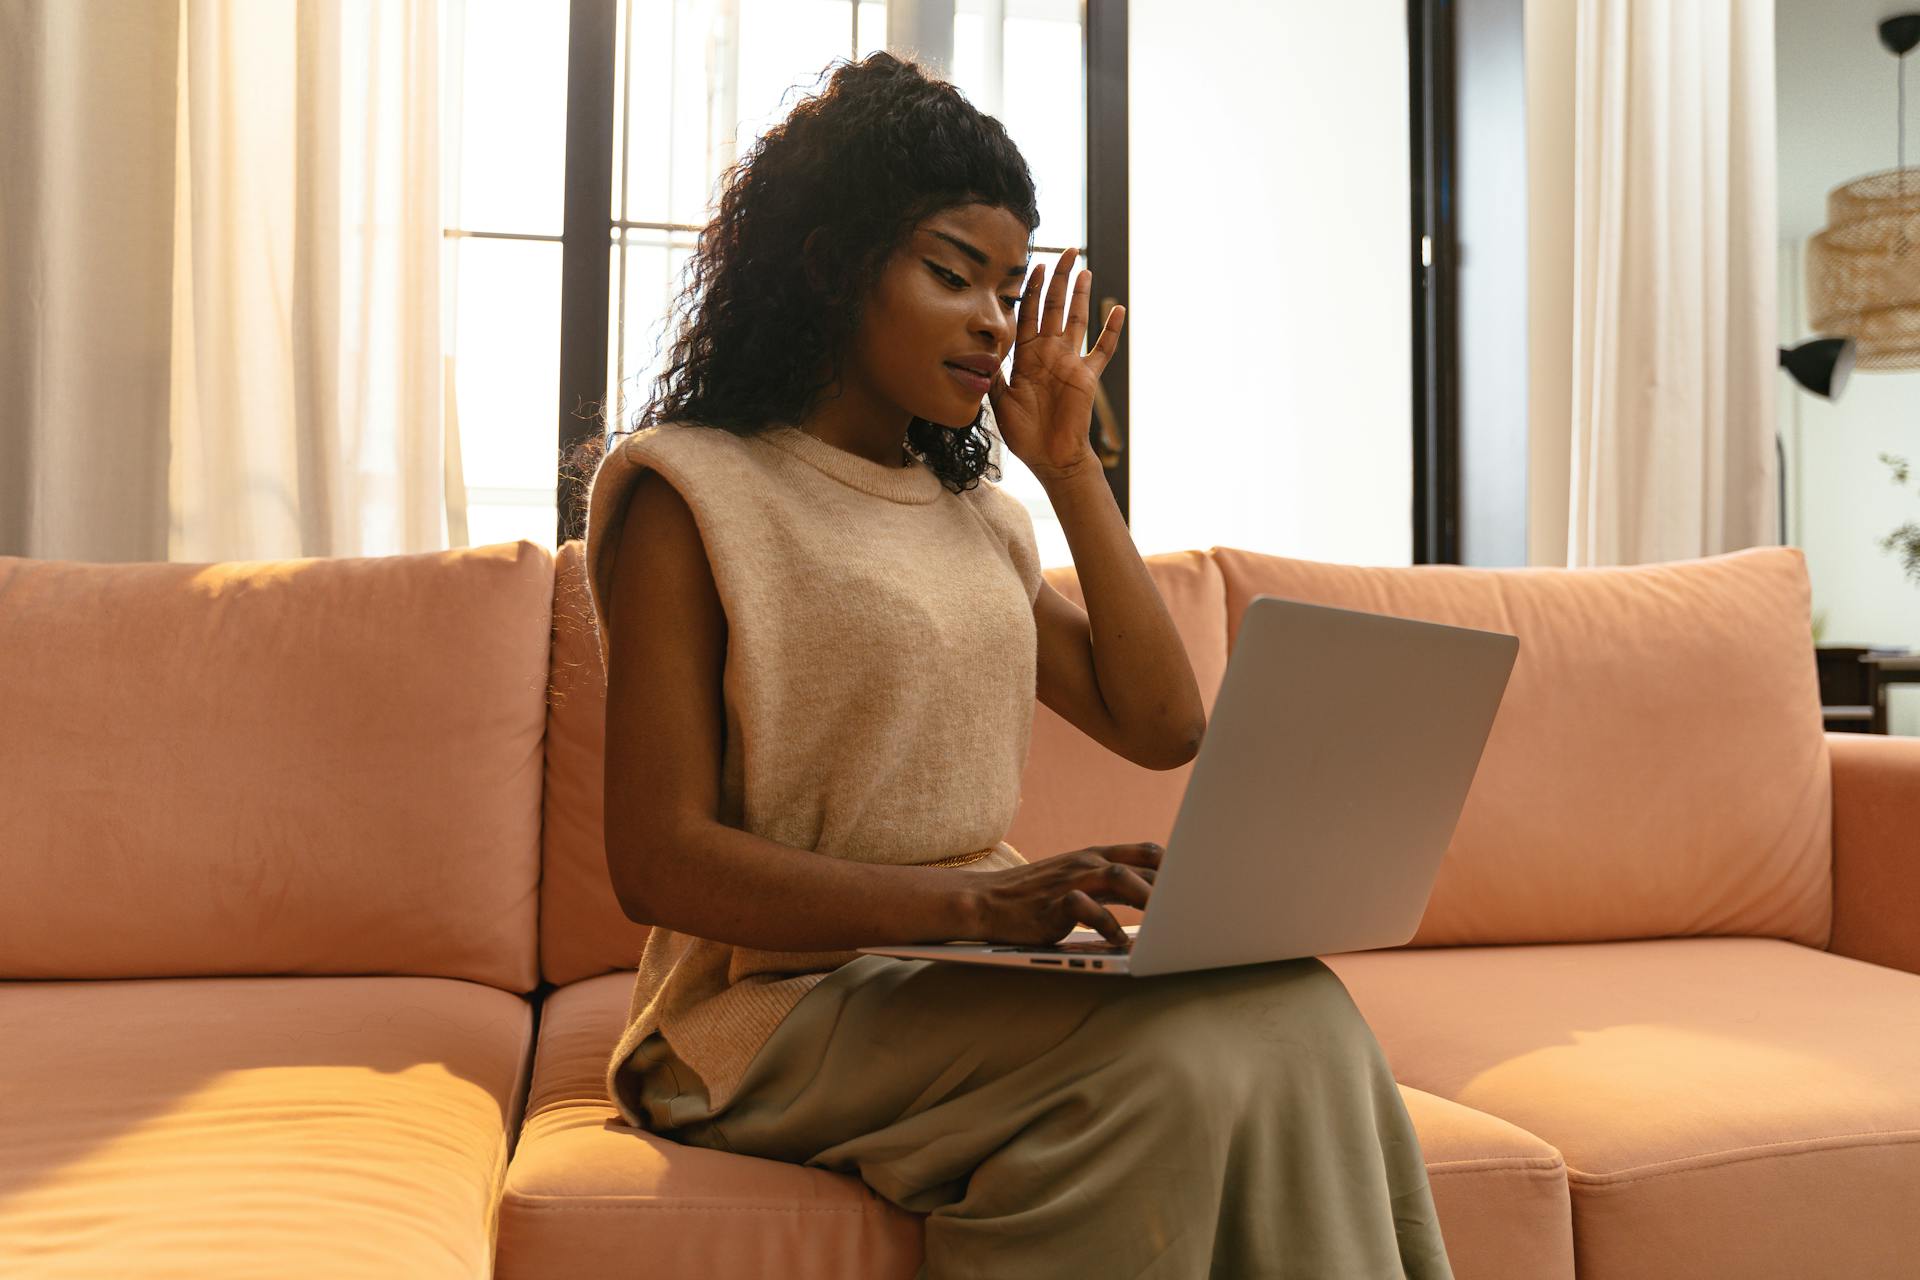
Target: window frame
[(586, 245), (1435, 300)]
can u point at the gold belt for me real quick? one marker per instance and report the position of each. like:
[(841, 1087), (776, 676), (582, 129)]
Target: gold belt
[(960, 859)]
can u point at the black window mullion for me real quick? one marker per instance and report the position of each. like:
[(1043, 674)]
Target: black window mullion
[(1436, 357), (1105, 35), (586, 243)]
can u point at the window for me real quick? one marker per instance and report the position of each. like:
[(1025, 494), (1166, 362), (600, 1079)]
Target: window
[(503, 117), (694, 83)]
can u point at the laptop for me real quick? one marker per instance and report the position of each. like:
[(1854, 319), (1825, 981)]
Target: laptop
[(1328, 785)]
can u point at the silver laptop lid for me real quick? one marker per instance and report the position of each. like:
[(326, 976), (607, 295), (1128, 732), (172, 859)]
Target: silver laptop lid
[(1327, 787)]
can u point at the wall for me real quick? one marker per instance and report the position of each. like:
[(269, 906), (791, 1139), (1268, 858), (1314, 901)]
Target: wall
[(1491, 228), (1550, 83), (1271, 311), (1838, 108)]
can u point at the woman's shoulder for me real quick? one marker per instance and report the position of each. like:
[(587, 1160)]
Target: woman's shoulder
[(688, 454), (681, 439), (695, 459), (1000, 507), (1008, 517)]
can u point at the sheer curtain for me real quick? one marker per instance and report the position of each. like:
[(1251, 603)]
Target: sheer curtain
[(1674, 280), (220, 249)]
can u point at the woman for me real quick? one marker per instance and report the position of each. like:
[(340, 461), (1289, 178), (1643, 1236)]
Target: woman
[(823, 637)]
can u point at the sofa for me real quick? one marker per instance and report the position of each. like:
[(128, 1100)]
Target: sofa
[(310, 963)]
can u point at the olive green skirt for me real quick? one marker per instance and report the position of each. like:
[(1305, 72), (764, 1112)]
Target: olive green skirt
[(1237, 1122)]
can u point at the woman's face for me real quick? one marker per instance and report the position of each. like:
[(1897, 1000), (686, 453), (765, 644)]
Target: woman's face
[(947, 295)]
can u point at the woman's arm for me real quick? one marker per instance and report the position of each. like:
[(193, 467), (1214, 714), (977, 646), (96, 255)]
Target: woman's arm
[(718, 882), (1123, 647)]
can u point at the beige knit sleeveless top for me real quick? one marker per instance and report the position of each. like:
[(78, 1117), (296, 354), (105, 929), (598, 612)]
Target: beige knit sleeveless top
[(878, 689)]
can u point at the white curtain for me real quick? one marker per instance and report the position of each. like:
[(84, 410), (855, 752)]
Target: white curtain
[(1674, 335), (220, 257)]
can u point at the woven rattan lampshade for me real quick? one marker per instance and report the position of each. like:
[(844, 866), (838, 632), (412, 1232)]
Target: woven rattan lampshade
[(1863, 269)]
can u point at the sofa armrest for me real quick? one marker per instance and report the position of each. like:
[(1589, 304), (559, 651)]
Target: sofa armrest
[(1876, 849)]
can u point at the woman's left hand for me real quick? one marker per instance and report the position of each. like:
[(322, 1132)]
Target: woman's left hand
[(1047, 412)]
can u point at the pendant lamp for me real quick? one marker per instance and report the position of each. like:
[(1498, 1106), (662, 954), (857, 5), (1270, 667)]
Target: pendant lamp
[(1863, 268)]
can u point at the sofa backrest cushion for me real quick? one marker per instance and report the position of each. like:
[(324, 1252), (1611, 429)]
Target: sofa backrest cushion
[(583, 931), (300, 766), (1076, 792), (1658, 765)]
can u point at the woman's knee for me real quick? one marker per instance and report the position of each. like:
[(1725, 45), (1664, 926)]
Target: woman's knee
[(1247, 1012), (1303, 987)]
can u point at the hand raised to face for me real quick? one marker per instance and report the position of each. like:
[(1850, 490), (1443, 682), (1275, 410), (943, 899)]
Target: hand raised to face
[(1045, 412)]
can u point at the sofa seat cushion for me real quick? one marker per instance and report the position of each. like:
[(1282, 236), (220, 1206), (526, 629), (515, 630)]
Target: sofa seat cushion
[(256, 1126), (1726, 1106), (588, 1195), (1500, 1192)]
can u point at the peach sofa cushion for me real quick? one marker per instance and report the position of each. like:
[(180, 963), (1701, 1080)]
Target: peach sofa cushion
[(1746, 1100), (303, 766), (1658, 765), (583, 931), (1876, 849), (586, 1195), (339, 1127)]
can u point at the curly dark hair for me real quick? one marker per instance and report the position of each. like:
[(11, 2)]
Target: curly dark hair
[(884, 146)]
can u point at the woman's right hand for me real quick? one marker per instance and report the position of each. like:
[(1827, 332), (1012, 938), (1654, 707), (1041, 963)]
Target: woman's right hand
[(1043, 901)]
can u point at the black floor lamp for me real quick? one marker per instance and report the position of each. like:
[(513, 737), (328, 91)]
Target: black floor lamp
[(1821, 366)]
